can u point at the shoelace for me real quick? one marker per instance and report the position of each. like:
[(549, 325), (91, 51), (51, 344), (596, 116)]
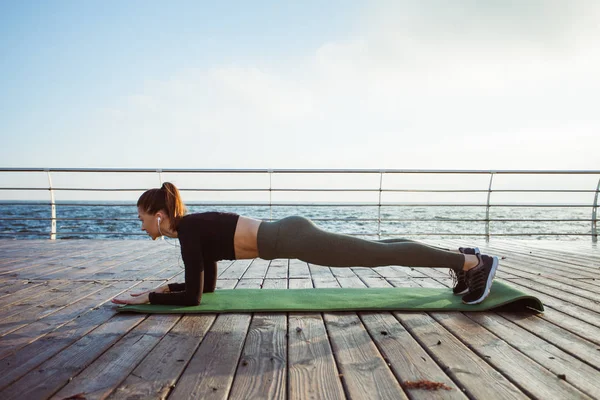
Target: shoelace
[(476, 279), (456, 276)]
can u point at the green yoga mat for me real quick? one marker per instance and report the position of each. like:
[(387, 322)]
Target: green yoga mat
[(345, 299)]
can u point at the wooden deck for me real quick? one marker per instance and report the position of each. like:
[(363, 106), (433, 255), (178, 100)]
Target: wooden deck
[(60, 336)]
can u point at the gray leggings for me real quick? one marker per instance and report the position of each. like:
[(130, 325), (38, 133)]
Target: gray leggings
[(298, 237)]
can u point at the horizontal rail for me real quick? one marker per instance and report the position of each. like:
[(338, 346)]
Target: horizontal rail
[(304, 171), (391, 234), (312, 205), (310, 190), (378, 190), (333, 219)]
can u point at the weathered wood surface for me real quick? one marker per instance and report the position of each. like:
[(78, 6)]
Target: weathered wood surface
[(60, 336)]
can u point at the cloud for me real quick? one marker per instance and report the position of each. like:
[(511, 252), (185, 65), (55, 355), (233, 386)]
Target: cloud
[(420, 76)]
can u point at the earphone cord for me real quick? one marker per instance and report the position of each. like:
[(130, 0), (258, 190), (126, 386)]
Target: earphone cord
[(172, 244)]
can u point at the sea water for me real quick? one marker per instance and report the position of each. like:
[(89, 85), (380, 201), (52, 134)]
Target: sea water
[(115, 220)]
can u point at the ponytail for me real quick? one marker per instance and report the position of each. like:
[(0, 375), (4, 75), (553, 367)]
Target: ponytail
[(166, 199), (174, 205)]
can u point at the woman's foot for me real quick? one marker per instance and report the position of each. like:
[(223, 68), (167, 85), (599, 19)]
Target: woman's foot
[(459, 278), (480, 278)]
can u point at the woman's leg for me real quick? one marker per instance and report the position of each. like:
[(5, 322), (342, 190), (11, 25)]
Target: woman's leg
[(298, 237), (402, 240)]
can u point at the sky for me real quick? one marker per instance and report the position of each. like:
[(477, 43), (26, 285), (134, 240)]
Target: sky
[(428, 84)]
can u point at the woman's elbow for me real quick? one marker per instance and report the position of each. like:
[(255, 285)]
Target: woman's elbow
[(193, 301)]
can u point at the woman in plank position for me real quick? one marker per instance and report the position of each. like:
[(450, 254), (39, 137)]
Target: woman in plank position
[(206, 238)]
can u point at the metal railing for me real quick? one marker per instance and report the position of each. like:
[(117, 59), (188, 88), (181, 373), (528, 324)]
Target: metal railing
[(379, 190)]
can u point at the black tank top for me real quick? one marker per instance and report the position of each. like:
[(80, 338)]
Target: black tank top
[(204, 237)]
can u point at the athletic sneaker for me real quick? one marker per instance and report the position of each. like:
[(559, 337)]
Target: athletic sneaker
[(480, 279), (469, 250), (459, 281)]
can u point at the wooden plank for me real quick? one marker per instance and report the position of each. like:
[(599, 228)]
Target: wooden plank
[(67, 349), (278, 269), (539, 263), (210, 377), (31, 255), (573, 247), (569, 297), (313, 373), (107, 263), (569, 330), (136, 269), (300, 283), (261, 372), (224, 265), (171, 356), (342, 272), (558, 287), (116, 363), (586, 261), (577, 373), (567, 285), (562, 305), (400, 350), (298, 269), (522, 371), (39, 270), (533, 287), (19, 362), (322, 276), (30, 258), (476, 376), (33, 291), (394, 272), (558, 312), (11, 287), (20, 315), (545, 353), (27, 334), (236, 270), (169, 272), (364, 373), (464, 367), (50, 376), (36, 269), (567, 322), (257, 269), (156, 375)]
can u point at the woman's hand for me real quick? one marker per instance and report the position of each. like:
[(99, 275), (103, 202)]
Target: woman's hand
[(160, 289), (141, 298)]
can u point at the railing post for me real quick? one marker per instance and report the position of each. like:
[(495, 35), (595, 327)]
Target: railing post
[(379, 206), (487, 209), (52, 208), (594, 215), (270, 195), (160, 183)]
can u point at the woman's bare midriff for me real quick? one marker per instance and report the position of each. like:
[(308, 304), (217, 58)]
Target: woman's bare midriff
[(245, 238)]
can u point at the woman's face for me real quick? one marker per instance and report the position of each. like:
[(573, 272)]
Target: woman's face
[(149, 224)]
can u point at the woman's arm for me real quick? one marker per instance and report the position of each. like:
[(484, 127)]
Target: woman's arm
[(191, 295), (141, 297), (176, 287), (210, 279), (160, 289)]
